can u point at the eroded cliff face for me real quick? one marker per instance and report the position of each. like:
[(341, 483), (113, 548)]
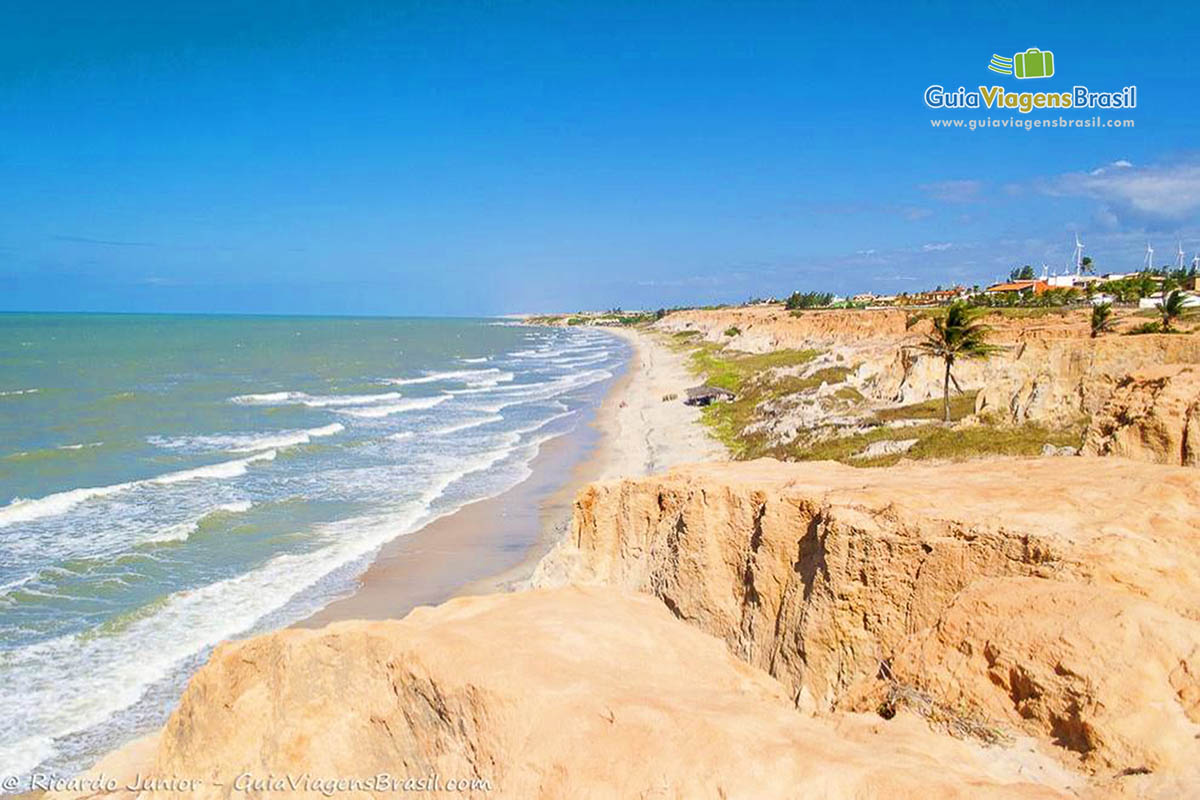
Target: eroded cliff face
[(1050, 372), (1151, 415), (765, 328), (1057, 597), (575, 692), (1056, 380)]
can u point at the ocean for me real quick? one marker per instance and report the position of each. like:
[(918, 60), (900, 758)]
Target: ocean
[(168, 482)]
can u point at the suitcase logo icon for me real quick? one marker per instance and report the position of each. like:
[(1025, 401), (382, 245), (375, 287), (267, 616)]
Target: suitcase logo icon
[(1033, 63)]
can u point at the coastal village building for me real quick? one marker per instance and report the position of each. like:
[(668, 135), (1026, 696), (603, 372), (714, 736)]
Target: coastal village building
[(707, 395), (1017, 287), (943, 296), (1190, 300), (1073, 281)]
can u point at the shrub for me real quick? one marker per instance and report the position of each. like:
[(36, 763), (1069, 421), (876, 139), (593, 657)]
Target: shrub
[(1146, 327), (732, 330), (808, 300)]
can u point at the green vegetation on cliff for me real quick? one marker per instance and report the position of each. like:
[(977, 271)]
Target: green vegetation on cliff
[(768, 382)]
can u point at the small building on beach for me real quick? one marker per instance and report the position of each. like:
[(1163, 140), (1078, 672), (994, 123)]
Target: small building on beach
[(707, 395), (1018, 287)]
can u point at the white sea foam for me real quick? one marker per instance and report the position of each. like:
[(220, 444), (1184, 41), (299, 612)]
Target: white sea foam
[(79, 446), (480, 360), (458, 376), (23, 510), (313, 401), (466, 425), (537, 426), (226, 469), (387, 409), (245, 442), (580, 360), (18, 392), (518, 394), (181, 531), (268, 398), (72, 683)]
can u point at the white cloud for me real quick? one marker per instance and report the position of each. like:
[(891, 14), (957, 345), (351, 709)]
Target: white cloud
[(1120, 163), (1136, 193), (934, 247)]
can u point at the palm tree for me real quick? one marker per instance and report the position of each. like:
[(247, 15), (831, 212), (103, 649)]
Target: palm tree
[(957, 335), (1101, 319), (1172, 308)]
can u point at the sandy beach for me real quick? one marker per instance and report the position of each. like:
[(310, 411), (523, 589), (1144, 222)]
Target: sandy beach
[(494, 544)]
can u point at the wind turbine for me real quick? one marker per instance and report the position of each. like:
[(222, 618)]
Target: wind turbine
[(1078, 254), (1196, 262), (1149, 257), (1179, 255)]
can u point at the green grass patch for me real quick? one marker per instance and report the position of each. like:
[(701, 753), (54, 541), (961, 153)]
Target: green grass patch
[(1003, 440), (934, 441), (753, 379), (849, 394), (749, 376), (843, 448), (1145, 327), (732, 370), (961, 405)]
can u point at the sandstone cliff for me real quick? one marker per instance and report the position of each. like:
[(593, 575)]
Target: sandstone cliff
[(1051, 372), (1059, 379), (1152, 415), (765, 328), (577, 692), (1058, 597)]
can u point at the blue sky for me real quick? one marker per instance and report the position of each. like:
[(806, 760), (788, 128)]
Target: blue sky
[(489, 157)]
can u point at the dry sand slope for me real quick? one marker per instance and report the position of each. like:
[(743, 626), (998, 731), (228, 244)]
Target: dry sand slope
[(644, 433)]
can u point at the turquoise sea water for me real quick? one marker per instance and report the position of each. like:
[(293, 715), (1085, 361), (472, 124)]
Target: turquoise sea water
[(167, 482)]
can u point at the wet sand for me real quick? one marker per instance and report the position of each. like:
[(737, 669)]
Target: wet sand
[(493, 544)]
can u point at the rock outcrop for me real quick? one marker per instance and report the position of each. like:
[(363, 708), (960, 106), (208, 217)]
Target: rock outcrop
[(765, 328), (1059, 380), (1050, 372), (1058, 597), (576, 692), (1152, 415)]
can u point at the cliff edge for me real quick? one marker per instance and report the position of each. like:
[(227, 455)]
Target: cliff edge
[(574, 692), (1055, 597)]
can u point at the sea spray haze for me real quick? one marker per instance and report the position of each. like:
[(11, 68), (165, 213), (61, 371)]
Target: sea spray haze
[(167, 482)]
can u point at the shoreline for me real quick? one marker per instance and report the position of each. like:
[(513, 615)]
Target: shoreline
[(473, 547), (494, 544)]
